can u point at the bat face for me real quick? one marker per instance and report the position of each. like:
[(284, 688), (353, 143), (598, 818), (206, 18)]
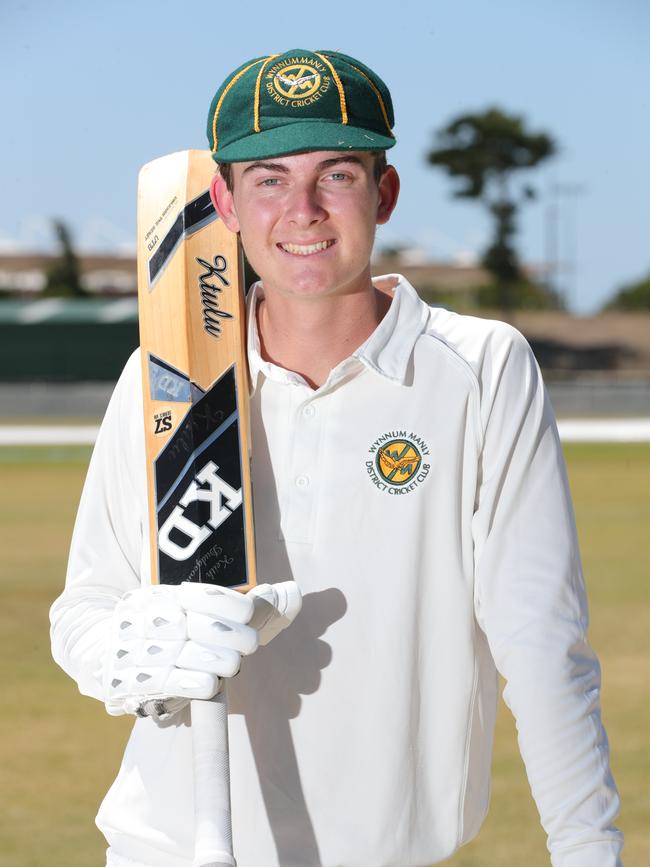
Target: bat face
[(192, 336)]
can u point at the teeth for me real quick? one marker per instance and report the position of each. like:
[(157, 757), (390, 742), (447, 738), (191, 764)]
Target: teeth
[(307, 249)]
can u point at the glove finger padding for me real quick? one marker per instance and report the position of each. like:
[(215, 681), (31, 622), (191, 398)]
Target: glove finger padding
[(220, 661), (146, 653), (148, 631), (219, 602), (275, 607), (164, 681), (217, 632), (151, 612)]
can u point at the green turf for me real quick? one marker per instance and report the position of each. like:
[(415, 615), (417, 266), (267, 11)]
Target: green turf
[(62, 454), (50, 420), (60, 750), (52, 774)]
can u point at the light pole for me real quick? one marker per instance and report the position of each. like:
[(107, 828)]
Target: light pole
[(556, 246)]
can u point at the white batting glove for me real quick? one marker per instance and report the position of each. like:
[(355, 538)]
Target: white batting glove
[(171, 644)]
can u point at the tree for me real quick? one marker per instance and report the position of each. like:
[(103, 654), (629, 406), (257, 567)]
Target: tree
[(633, 296), (525, 294), (485, 150), (63, 277)]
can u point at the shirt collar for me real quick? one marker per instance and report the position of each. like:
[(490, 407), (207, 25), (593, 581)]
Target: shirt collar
[(386, 352)]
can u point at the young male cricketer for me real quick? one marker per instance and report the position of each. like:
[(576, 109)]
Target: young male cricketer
[(409, 478)]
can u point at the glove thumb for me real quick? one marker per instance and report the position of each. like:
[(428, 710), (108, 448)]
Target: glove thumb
[(275, 607)]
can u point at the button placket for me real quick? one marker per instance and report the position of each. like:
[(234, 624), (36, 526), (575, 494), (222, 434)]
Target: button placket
[(298, 520)]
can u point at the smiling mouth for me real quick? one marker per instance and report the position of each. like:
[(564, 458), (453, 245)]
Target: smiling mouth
[(306, 249)]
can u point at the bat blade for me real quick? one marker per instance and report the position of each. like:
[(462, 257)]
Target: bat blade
[(194, 378), (195, 394)]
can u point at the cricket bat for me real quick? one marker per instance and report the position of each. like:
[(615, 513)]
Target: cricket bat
[(195, 389)]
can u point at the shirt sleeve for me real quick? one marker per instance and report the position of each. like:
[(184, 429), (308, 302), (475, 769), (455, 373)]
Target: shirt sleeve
[(531, 604), (107, 541)]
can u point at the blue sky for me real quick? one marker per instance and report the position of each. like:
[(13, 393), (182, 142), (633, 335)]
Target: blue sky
[(92, 91)]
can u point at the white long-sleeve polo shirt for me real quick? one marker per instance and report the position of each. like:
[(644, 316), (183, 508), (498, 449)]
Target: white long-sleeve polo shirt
[(420, 501)]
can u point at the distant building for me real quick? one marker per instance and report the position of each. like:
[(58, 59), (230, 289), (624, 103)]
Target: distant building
[(24, 274), (433, 279)]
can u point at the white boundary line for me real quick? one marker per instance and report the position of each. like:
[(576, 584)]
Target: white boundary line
[(40, 310), (48, 435), (621, 430), (614, 430)]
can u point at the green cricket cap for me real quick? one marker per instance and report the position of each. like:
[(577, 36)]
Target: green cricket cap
[(299, 101)]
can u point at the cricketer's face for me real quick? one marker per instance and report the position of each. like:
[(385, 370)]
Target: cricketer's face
[(307, 221)]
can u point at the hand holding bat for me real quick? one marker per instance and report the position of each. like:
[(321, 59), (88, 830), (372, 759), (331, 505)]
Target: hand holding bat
[(172, 644)]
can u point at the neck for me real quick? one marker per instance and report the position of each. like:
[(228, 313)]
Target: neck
[(311, 336)]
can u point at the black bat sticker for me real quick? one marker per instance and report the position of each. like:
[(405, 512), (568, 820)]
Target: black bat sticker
[(200, 515)]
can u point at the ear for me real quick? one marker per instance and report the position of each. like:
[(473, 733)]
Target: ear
[(388, 194), (223, 202)]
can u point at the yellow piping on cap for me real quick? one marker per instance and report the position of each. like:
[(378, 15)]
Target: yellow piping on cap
[(379, 99), (256, 109), (339, 85), (232, 81)]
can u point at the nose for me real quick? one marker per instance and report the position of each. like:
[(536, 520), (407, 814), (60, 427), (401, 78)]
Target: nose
[(304, 206)]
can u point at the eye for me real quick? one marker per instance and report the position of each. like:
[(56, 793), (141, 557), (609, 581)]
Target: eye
[(269, 182), (338, 178)]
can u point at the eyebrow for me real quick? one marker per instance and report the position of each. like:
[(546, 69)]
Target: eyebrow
[(283, 169), (269, 167), (334, 161)]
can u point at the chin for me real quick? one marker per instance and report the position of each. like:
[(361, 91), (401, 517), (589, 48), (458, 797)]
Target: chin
[(307, 284)]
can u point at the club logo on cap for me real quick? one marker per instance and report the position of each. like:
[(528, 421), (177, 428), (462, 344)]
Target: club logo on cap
[(297, 81)]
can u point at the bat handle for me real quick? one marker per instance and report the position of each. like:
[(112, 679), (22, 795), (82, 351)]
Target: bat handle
[(213, 832)]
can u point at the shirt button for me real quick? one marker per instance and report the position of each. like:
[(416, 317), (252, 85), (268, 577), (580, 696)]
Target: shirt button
[(302, 482), (309, 411)]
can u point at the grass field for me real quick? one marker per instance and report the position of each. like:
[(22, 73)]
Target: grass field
[(60, 750)]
